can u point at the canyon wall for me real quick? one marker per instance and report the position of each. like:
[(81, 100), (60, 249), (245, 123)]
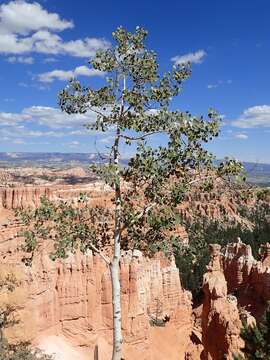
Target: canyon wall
[(247, 278), (236, 289), (22, 197), (65, 306), (213, 205), (221, 322), (70, 301)]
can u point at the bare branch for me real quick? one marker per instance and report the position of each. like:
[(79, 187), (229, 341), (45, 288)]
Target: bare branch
[(98, 112), (127, 110), (95, 249), (228, 181), (142, 137), (202, 179)]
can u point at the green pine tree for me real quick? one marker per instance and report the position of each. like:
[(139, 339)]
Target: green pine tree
[(257, 340)]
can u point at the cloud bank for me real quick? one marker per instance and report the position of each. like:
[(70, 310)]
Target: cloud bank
[(47, 116), (65, 75), (27, 27), (195, 57), (253, 117)]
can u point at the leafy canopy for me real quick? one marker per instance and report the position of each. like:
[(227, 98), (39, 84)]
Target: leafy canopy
[(134, 105)]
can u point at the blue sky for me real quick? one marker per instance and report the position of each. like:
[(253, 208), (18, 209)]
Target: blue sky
[(43, 43)]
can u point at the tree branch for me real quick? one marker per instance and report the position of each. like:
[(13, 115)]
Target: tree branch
[(139, 137), (202, 178), (95, 249), (98, 112), (141, 214)]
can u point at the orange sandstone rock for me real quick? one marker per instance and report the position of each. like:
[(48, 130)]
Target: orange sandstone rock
[(71, 300), (221, 323)]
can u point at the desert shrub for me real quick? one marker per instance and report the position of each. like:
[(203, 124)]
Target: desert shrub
[(20, 351)]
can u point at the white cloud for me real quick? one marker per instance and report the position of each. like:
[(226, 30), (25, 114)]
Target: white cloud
[(79, 132), (21, 59), (220, 82), (84, 48), (73, 144), (11, 44), (50, 60), (21, 17), (50, 76), (43, 41), (196, 57), (255, 116), (212, 86), (19, 128), (7, 119), (24, 132), (107, 140), (47, 116), (86, 71), (64, 75), (27, 27), (241, 136), (46, 42), (55, 118)]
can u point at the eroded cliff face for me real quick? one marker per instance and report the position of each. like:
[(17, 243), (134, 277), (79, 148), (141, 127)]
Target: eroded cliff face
[(221, 322), (22, 197), (69, 303), (248, 279), (236, 290), (213, 205), (65, 306)]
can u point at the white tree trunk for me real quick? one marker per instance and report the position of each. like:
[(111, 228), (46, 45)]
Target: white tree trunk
[(116, 300), (114, 267)]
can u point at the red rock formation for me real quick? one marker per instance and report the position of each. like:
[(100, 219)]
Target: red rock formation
[(235, 286), (221, 323), (29, 196), (265, 254), (72, 300), (247, 278), (68, 304), (238, 262), (18, 195)]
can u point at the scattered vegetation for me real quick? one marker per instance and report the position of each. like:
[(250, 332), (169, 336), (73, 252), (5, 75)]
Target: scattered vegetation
[(19, 350), (192, 259), (157, 319), (257, 344)]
